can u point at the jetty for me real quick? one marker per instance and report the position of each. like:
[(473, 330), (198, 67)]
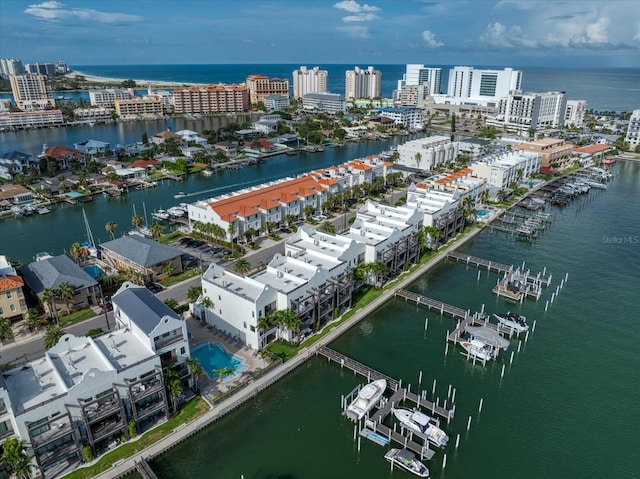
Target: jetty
[(143, 468), (496, 267), (374, 428)]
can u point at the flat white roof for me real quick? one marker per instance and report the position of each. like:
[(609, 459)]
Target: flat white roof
[(123, 348)]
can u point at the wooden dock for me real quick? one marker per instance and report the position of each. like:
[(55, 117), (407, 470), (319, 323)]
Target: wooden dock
[(143, 468), (496, 267), (453, 311)]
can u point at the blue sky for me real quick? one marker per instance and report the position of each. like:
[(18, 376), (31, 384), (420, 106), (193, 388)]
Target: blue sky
[(474, 32)]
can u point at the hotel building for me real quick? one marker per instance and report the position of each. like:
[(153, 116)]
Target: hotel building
[(416, 74), (329, 102), (521, 112), (555, 153), (479, 87), (139, 108), (261, 86), (501, 170), (31, 92), (109, 96)]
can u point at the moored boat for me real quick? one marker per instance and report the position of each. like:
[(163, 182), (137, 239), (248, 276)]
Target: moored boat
[(161, 215), (511, 320), (366, 399), (609, 161), (422, 426), (181, 194), (407, 461), (479, 349)]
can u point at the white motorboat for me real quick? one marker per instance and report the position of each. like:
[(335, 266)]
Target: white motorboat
[(176, 212), (366, 399), (181, 194), (422, 426), (160, 215), (407, 461), (478, 349), (513, 321)]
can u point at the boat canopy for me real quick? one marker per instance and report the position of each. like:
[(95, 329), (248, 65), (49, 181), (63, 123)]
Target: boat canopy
[(488, 335)]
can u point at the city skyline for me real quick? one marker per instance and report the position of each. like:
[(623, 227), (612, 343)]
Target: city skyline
[(515, 32)]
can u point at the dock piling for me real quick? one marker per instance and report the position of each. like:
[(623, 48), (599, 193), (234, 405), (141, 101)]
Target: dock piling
[(457, 440), (420, 380), (526, 337), (480, 405), (511, 358), (449, 392), (533, 327), (546, 306), (469, 423), (426, 324), (502, 372), (519, 345), (453, 396), (444, 461), (433, 390)]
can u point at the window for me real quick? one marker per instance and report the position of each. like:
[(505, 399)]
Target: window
[(182, 350), (12, 307), (8, 294), (1, 311)]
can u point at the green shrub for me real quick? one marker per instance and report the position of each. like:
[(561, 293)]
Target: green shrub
[(87, 453)]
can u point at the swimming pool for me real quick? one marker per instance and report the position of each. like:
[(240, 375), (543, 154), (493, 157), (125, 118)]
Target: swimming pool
[(214, 356), (94, 271), (481, 212)]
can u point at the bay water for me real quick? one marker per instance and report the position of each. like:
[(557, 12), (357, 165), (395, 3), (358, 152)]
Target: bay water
[(567, 407)]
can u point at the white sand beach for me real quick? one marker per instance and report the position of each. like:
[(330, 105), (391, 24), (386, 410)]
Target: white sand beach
[(140, 83)]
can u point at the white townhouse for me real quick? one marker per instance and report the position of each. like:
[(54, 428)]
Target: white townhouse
[(428, 153), (85, 391), (501, 170), (440, 209), (408, 117)]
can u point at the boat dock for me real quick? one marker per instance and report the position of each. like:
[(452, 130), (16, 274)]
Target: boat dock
[(374, 427), (496, 267), (143, 468), (453, 311)]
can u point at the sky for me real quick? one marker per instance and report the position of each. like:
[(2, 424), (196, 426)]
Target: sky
[(576, 33)]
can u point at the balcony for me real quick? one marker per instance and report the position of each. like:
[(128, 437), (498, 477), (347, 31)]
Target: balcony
[(56, 432), (49, 457), (6, 433), (96, 412), (149, 409), (140, 391), (106, 429), (166, 342)]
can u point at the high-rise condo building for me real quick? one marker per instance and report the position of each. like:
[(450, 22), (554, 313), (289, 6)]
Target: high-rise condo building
[(31, 92), (418, 74), (361, 83), (480, 87), (633, 130), (519, 112), (219, 98), (260, 86), (309, 81), (10, 66)]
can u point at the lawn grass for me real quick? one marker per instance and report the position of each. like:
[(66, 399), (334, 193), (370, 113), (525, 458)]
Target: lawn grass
[(76, 317), (190, 273), (170, 238), (191, 410)]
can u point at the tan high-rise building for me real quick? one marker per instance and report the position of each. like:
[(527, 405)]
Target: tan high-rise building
[(260, 86), (309, 81), (31, 92), (361, 83), (219, 98)]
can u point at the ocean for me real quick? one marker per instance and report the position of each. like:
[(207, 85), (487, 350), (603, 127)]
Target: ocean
[(567, 407), (610, 89)]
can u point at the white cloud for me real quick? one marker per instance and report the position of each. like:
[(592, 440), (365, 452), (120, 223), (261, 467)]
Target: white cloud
[(430, 39), (352, 6), (361, 17), (356, 31), (53, 10), (498, 35)]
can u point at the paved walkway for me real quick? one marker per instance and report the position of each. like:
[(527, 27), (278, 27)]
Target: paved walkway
[(223, 407)]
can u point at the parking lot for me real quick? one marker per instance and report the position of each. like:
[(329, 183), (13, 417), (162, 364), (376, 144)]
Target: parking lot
[(199, 252)]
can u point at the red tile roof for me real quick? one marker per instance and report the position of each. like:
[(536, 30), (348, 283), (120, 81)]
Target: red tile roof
[(61, 152), (591, 149), (145, 163), (10, 282)]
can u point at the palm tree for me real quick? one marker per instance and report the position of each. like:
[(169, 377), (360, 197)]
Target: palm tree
[(137, 221), (242, 266), (232, 231), (48, 297), (167, 268), (376, 269), (206, 302), (156, 230), (418, 157), (193, 293), (173, 385), (52, 336), (270, 226), (223, 372), (111, 229), (197, 371), (33, 319), (433, 234), (308, 211), (77, 251), (6, 331), (263, 324), (218, 232), (290, 219), (66, 292), (14, 453), (327, 227)]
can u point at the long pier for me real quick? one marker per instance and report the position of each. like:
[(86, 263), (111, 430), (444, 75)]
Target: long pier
[(430, 303), (489, 265)]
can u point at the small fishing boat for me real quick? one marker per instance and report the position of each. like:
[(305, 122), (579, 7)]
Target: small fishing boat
[(407, 461), (511, 320), (181, 194), (422, 426)]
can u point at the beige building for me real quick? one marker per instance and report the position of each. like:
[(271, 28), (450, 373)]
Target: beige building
[(12, 302), (31, 92), (555, 153), (260, 86), (139, 108), (219, 98)]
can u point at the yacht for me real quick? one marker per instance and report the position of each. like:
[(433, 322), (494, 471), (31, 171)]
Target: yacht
[(176, 212), (512, 320), (160, 215), (478, 349), (422, 426), (407, 461), (366, 399), (181, 194)]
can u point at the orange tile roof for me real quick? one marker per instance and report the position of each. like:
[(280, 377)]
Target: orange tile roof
[(591, 149), (10, 282), (61, 152), (229, 209), (145, 163)]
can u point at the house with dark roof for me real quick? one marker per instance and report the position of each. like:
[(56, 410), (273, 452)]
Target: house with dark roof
[(16, 162), (50, 272), (153, 322), (150, 258)]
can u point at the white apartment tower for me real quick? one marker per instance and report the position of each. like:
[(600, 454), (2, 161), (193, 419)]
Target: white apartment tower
[(361, 83), (309, 81), (518, 112), (10, 66), (31, 92), (633, 130), (482, 87), (574, 113), (418, 74)]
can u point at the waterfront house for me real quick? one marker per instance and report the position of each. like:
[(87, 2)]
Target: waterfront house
[(12, 302), (189, 136), (16, 162), (554, 153), (148, 165), (15, 194), (230, 149), (50, 272), (164, 136), (95, 148), (148, 257), (428, 153), (62, 154)]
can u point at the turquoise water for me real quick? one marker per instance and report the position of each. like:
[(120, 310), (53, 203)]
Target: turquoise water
[(214, 356), (567, 407), (481, 212), (94, 271)]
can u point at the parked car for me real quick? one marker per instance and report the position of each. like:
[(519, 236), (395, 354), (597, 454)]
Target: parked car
[(285, 230), (197, 243), (154, 287), (319, 217), (185, 240), (107, 306)]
